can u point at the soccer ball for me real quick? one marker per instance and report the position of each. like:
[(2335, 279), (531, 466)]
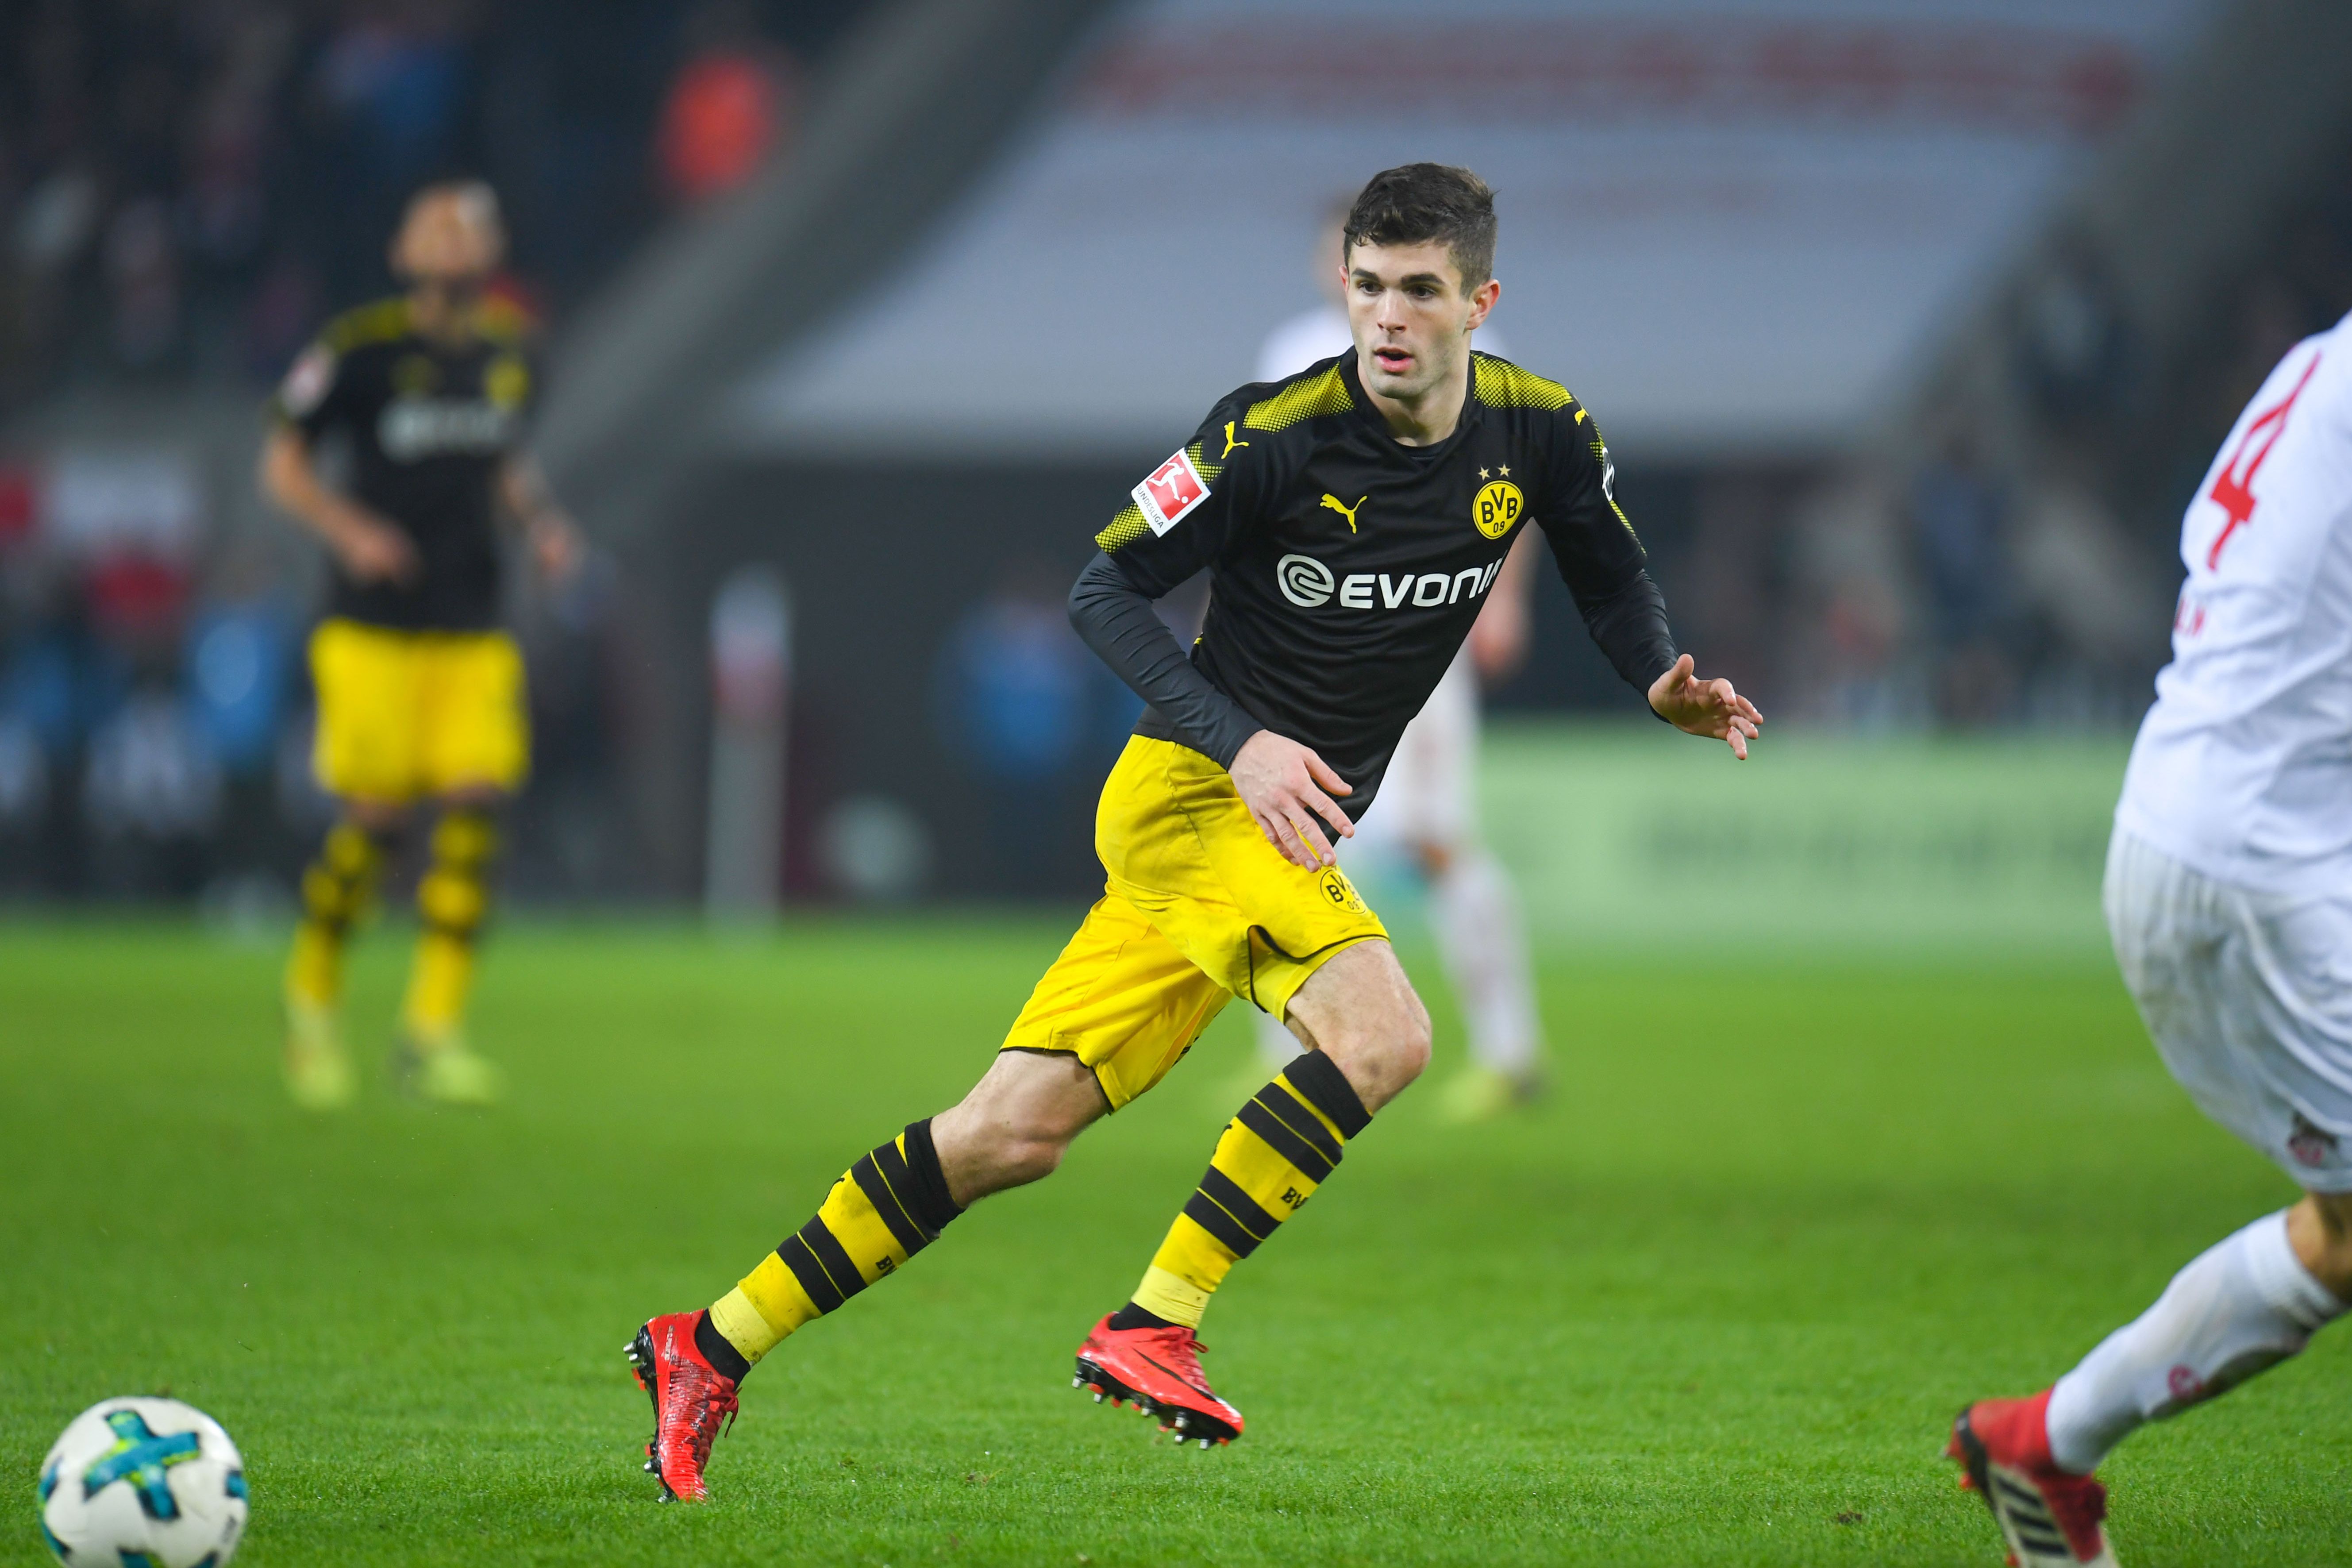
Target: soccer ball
[(143, 1483)]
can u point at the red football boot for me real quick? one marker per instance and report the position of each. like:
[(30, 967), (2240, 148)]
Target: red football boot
[(1158, 1370), (2050, 1518), (689, 1396)]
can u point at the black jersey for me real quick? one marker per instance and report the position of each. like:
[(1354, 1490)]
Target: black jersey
[(429, 426), (1346, 568)]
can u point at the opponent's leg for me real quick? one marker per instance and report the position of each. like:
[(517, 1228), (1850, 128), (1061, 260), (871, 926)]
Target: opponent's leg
[(335, 889), (1011, 1129), (1370, 1038), (453, 900), (1278, 1048), (1482, 942), (2236, 1311)]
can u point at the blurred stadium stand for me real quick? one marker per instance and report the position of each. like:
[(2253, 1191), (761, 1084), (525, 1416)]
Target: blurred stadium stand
[(1911, 326)]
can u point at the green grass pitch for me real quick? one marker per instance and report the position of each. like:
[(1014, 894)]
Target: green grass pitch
[(1714, 1302)]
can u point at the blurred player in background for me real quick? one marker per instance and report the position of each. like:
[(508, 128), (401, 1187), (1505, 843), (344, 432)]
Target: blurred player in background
[(420, 694), (1352, 518), (2229, 894), (1429, 805)]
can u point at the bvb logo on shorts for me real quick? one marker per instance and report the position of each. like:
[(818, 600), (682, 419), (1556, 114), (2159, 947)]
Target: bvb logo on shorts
[(1497, 508), (1342, 893)]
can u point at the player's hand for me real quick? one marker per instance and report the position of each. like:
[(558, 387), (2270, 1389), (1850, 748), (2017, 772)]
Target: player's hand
[(374, 551), (1287, 787), (556, 545), (1705, 708)]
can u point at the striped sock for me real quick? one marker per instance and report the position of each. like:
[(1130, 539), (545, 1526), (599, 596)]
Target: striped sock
[(335, 888), (885, 1209), (453, 899), (1285, 1142)]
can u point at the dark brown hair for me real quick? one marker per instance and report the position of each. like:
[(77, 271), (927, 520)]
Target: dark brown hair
[(1419, 203)]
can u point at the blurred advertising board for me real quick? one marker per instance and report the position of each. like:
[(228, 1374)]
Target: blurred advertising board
[(1625, 835)]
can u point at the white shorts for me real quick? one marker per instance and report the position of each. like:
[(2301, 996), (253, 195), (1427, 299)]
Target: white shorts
[(2248, 996), (1427, 794)]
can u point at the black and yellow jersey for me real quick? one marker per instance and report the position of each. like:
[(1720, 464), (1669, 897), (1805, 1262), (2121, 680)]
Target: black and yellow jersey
[(1346, 568), (429, 423)]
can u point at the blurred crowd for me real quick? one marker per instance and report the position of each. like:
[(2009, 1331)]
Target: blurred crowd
[(190, 186), (2020, 574), (188, 189), (155, 708)]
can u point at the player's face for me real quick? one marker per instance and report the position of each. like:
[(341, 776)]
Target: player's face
[(1411, 317), (448, 242)]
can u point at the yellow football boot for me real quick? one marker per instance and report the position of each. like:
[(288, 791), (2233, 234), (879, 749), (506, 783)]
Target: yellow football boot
[(446, 1071), (318, 1070)]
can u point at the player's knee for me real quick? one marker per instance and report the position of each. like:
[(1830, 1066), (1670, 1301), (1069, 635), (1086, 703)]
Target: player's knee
[(377, 817), (1014, 1126), (1022, 1160), (1411, 1044), (994, 1154), (2326, 1245), (1382, 1054)]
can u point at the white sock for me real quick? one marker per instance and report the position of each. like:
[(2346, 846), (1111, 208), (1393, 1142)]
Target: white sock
[(2240, 1309), (1277, 1044), (1485, 948)]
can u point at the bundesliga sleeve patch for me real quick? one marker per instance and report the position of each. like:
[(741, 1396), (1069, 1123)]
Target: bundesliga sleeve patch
[(1169, 492), (308, 383)]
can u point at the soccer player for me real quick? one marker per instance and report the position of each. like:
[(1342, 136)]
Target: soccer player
[(1428, 810), (420, 693), (1352, 518), (2229, 895)]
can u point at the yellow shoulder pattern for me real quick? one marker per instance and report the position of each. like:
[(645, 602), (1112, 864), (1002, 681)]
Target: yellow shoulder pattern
[(1499, 383), (1125, 529), (1302, 399), (381, 323), (502, 322)]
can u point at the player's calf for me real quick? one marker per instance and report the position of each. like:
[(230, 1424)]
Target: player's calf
[(1275, 1154), (1362, 1011)]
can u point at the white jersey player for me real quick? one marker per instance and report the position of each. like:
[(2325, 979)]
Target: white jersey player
[(1428, 811), (2229, 894)]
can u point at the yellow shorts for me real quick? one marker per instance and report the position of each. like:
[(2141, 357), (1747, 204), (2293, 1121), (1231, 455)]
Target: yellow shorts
[(1199, 909), (403, 715)]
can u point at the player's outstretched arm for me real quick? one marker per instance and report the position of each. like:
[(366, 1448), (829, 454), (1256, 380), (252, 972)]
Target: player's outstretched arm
[(1286, 786), (1704, 707), (554, 538), (369, 547)]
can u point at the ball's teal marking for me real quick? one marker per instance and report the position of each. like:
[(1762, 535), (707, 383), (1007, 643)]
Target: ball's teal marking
[(49, 1479), (55, 1544), (234, 1485), (139, 1458)]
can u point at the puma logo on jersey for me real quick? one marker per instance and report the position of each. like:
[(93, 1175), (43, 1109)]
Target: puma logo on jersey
[(1344, 510), (1230, 442)]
